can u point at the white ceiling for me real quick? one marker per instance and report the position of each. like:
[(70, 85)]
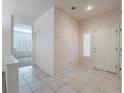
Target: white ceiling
[(32, 9), (80, 13)]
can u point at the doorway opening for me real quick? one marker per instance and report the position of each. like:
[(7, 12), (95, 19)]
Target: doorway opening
[(23, 44)]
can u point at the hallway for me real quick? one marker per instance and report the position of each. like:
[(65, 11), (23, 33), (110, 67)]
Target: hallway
[(81, 79), (54, 49)]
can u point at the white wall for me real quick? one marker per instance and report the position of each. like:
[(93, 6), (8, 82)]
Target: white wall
[(66, 38), (111, 19), (45, 25), (6, 35), (24, 21)]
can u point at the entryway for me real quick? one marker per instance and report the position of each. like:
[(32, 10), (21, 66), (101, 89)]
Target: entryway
[(23, 44), (101, 49), (105, 49)]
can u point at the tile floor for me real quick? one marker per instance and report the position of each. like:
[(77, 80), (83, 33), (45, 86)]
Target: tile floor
[(81, 79), (24, 61)]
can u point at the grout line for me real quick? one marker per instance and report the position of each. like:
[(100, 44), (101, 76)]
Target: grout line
[(41, 80), (51, 81), (27, 84), (65, 83), (46, 83)]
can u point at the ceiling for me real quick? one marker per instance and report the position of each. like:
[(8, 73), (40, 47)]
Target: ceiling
[(32, 9), (80, 13)]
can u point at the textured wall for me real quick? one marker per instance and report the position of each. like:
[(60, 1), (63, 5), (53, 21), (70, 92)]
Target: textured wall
[(110, 19), (66, 38)]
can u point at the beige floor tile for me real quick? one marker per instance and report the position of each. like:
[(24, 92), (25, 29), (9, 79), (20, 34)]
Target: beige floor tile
[(100, 74), (111, 83), (31, 79), (89, 89), (22, 83), (66, 79), (36, 85), (28, 74), (56, 84), (20, 78), (45, 89), (88, 75), (109, 90), (47, 79), (69, 73), (24, 89), (79, 79), (38, 71), (22, 71), (76, 83), (42, 76), (66, 89), (58, 76), (94, 83)]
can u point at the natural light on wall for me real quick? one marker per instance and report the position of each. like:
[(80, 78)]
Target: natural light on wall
[(22, 28), (22, 37), (86, 45)]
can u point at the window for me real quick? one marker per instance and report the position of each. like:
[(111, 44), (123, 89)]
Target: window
[(22, 37), (86, 44)]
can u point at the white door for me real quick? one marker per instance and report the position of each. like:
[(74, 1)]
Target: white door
[(105, 53)]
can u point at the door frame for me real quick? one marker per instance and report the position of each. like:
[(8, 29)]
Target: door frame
[(117, 46), (37, 60), (120, 52), (12, 35), (15, 19)]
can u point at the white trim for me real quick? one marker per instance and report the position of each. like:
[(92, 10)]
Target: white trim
[(12, 34), (92, 58), (23, 32)]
